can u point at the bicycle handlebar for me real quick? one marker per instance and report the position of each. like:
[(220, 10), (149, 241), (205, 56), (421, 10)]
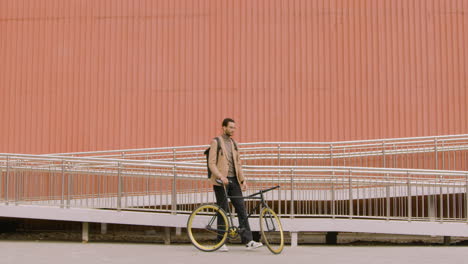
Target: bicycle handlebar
[(257, 193), (264, 191)]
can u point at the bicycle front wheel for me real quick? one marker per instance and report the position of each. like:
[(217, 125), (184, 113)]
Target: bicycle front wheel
[(272, 230), (207, 227)]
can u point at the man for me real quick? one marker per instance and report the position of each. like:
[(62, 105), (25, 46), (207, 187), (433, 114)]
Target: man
[(226, 167)]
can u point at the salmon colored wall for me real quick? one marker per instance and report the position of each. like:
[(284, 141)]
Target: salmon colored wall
[(78, 75)]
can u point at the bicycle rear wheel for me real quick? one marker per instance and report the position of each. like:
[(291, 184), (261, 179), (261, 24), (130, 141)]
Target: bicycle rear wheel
[(272, 230), (207, 227)]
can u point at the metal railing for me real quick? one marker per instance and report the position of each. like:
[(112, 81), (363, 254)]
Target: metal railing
[(177, 187), (438, 152)]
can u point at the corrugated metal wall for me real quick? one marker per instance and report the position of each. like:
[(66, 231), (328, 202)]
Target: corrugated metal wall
[(80, 75)]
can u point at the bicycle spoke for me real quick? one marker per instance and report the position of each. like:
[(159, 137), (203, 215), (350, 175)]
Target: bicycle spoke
[(207, 227), (271, 229)]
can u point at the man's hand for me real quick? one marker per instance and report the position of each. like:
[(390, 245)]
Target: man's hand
[(225, 180), (244, 186)]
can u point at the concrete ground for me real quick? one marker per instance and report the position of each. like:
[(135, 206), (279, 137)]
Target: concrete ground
[(73, 253)]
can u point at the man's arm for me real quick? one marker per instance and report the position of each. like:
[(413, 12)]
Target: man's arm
[(212, 157), (241, 173), (239, 162)]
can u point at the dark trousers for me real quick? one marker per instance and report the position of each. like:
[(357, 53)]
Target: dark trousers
[(234, 189)]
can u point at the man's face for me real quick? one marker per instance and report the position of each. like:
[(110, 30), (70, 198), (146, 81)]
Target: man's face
[(230, 129)]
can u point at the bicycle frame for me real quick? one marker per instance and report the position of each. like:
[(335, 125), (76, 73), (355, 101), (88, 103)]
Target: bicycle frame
[(254, 196), (270, 223)]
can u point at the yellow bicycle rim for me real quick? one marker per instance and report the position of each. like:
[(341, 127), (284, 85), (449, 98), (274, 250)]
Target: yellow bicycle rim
[(272, 230), (196, 223)]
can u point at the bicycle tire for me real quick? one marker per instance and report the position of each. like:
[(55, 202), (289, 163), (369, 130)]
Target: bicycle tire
[(196, 225), (271, 230)]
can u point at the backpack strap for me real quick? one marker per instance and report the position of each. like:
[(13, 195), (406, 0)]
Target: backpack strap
[(207, 154), (217, 149), (235, 144)]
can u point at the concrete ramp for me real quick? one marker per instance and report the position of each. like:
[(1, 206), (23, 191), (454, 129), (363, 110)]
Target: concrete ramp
[(293, 225)]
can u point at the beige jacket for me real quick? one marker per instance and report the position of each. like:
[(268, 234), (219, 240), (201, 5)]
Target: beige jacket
[(222, 168)]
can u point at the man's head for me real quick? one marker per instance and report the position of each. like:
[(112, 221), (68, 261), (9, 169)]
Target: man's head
[(229, 126)]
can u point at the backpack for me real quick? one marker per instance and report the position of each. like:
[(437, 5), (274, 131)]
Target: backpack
[(207, 153)]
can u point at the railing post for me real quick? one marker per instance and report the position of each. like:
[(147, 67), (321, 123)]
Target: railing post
[(279, 154), (351, 209), (292, 194), (119, 191), (384, 164), (436, 154), (174, 182), (331, 155), (387, 194), (466, 197), (443, 155), (279, 179), (69, 192), (344, 156), (441, 200), (410, 208), (1, 184), (17, 182), (62, 200), (333, 194), (7, 179), (174, 191)]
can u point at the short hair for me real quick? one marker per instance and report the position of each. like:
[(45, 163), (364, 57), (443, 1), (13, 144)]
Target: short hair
[(226, 121)]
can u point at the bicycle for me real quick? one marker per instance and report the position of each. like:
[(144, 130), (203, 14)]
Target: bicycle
[(206, 235)]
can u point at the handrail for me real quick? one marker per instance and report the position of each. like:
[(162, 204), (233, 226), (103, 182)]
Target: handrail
[(427, 139), (329, 183)]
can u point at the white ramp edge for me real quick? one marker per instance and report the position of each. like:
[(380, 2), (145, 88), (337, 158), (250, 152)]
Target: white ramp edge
[(376, 226), (289, 224)]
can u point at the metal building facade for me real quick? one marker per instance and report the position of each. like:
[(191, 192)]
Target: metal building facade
[(80, 75)]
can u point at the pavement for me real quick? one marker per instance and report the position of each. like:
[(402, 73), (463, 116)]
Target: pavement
[(42, 252)]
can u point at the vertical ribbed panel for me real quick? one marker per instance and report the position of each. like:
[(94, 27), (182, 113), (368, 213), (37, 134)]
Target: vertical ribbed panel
[(89, 75)]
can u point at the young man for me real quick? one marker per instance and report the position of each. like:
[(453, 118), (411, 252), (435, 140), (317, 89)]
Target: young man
[(226, 167)]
